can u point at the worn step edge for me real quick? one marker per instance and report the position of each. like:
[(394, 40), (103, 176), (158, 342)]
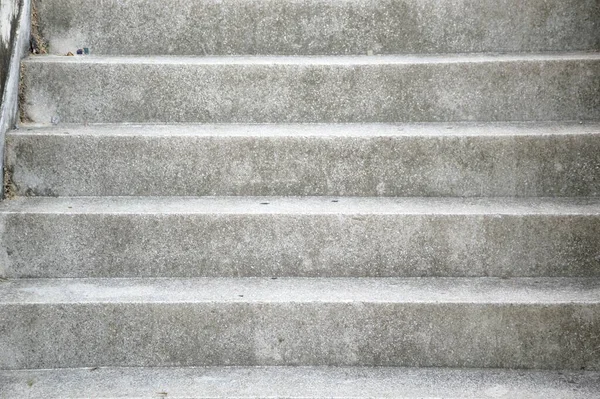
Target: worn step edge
[(394, 59), (297, 382), (266, 205), (438, 290), (323, 130)]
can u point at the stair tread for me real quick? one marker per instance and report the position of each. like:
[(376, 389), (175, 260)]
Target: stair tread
[(585, 206), (300, 89), (317, 26), (435, 290), (319, 59), (297, 382), (317, 130), (439, 159)]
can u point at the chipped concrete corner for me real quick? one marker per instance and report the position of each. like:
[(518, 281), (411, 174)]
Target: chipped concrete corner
[(15, 28)]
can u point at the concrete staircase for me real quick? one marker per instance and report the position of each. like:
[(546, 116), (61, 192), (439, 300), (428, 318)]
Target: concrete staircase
[(285, 198)]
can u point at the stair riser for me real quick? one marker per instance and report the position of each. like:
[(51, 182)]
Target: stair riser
[(536, 90), (318, 27), (526, 166), (456, 335), (351, 245)]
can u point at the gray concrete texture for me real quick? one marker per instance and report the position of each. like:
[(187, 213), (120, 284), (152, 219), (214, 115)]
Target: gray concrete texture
[(348, 160), (297, 382), (540, 323), (310, 237), (199, 27), (313, 89), (9, 22)]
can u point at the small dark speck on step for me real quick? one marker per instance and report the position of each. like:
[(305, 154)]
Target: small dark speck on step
[(335, 200), (264, 203), (241, 296), (273, 278), (34, 46), (70, 207), (94, 368)]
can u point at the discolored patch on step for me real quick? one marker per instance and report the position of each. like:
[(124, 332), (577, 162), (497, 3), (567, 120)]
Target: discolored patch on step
[(10, 189), (38, 45)]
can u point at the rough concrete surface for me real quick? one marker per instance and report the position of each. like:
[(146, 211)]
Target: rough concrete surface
[(313, 89), (198, 27), (528, 160), (343, 274), (275, 236), (298, 382), (504, 323)]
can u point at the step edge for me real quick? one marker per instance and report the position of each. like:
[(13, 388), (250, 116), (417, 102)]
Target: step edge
[(310, 60)]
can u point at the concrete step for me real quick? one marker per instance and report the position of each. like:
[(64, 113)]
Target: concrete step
[(313, 89), (198, 27), (311, 237), (297, 382), (460, 159), (541, 323)]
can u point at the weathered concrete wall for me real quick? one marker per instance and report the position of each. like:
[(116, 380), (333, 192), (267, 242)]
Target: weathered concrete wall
[(14, 40), (9, 15)]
